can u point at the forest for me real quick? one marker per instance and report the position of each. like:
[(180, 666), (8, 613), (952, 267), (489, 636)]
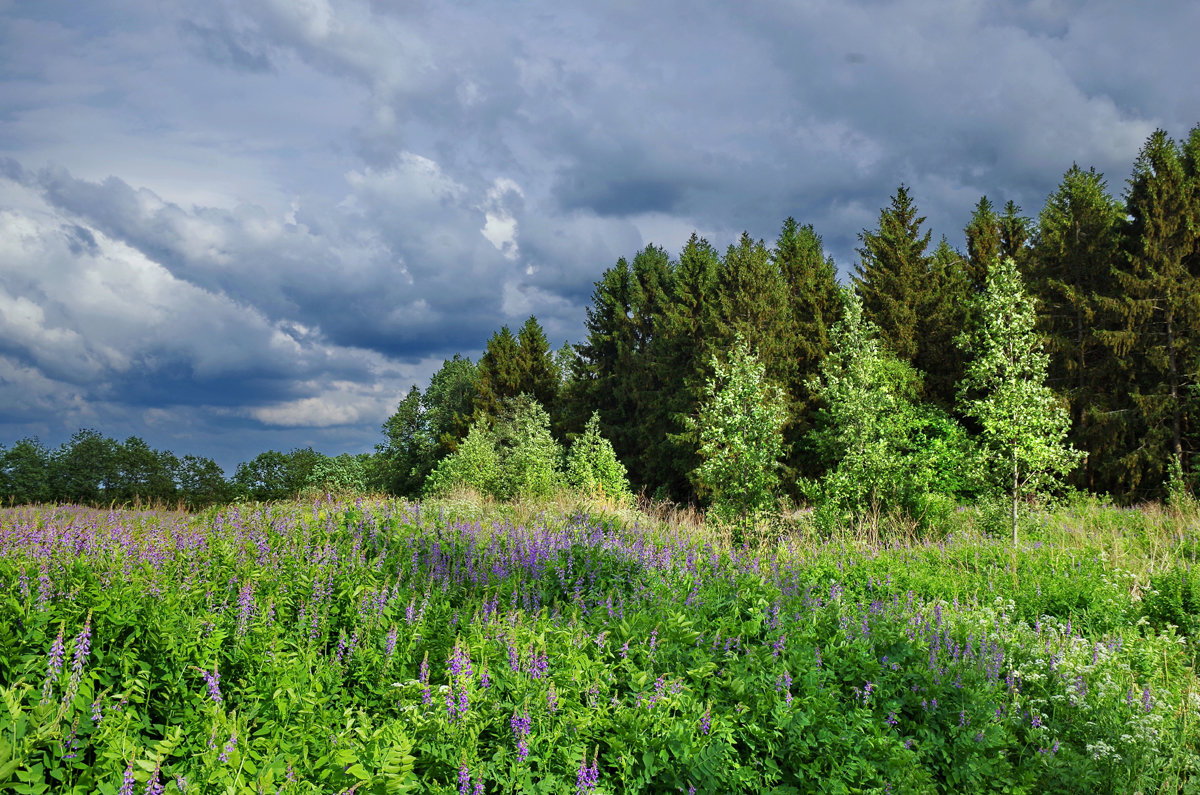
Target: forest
[(1112, 283)]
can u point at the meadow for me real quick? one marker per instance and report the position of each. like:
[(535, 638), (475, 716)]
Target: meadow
[(362, 646)]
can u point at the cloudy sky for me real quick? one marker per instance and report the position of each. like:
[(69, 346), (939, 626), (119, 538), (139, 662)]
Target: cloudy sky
[(248, 224)]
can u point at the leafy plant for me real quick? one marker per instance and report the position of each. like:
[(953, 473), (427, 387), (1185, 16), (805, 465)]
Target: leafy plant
[(884, 450), (1024, 425), (592, 465), (740, 425)]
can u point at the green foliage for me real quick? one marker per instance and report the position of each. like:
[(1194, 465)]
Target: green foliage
[(530, 460), (274, 475), (1076, 247), (407, 452), (516, 457), (1023, 423), (983, 243), (892, 278), (475, 464), (593, 467), (1173, 598), (1158, 307), (884, 450), (341, 474), (25, 473), (512, 366), (449, 403), (740, 424)]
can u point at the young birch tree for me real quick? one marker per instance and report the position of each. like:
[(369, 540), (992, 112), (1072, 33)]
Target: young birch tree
[(1004, 390)]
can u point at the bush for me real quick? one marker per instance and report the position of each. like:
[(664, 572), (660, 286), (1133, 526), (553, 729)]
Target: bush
[(593, 468), (474, 464)]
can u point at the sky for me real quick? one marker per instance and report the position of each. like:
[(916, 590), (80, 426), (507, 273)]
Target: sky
[(241, 225)]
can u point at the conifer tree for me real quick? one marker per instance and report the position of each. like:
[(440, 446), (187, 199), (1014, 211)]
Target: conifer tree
[(983, 243), (1160, 307), (740, 426), (539, 373), (753, 303), (815, 305), (681, 355), (499, 375), (592, 465), (892, 277), (1076, 246), (614, 373), (942, 317), (1015, 232)]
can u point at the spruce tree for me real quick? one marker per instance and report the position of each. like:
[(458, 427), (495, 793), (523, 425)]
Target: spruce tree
[(614, 372), (740, 424), (892, 277), (1160, 308), (1015, 232), (681, 354), (942, 317), (753, 303), (539, 374), (499, 374), (983, 243), (815, 306), (1077, 244)]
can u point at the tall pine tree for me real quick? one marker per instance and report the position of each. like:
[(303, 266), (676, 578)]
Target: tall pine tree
[(682, 348), (1159, 308), (499, 374), (614, 371), (815, 306), (983, 243), (1015, 233), (943, 314), (892, 277), (1076, 245)]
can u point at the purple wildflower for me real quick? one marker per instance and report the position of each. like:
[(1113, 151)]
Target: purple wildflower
[(706, 721), (588, 777), (155, 785), (464, 780), (552, 698), (521, 726), (54, 664), (213, 680), (127, 781), (1147, 699), (228, 749)]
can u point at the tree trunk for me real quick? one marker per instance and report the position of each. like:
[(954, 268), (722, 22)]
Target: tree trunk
[(1015, 485)]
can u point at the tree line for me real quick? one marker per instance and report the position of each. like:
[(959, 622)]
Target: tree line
[(92, 469), (1113, 282), (1115, 302)]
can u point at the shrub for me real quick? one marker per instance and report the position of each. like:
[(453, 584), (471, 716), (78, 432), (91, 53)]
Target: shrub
[(593, 467)]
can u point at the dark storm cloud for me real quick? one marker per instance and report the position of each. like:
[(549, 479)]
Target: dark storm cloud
[(239, 222)]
